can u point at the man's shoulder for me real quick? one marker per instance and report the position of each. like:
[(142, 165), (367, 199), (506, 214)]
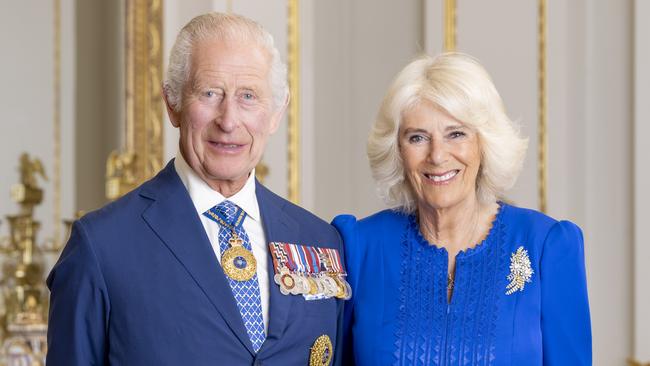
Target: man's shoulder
[(132, 204), (296, 212), (303, 226), (125, 208)]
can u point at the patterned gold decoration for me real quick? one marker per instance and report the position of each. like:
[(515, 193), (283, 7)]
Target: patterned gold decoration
[(237, 273), (24, 326), (632, 362), (313, 286), (27, 193), (344, 290), (287, 283), (450, 25), (321, 351), (143, 153), (236, 253), (293, 147), (520, 271)]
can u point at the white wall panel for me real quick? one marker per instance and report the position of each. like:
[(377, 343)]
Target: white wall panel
[(642, 180), (359, 47), (608, 177), (502, 34), (27, 102)]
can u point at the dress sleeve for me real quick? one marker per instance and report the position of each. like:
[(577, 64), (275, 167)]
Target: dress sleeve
[(565, 321), (346, 225), (79, 306)]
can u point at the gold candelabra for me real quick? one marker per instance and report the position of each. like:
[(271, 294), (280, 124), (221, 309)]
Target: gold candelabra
[(24, 320)]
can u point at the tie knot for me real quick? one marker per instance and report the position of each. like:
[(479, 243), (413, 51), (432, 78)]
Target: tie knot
[(229, 212)]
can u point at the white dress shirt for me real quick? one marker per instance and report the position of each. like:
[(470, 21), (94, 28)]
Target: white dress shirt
[(204, 198)]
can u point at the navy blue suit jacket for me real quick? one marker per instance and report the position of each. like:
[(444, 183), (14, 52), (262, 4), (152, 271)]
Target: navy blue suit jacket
[(138, 284)]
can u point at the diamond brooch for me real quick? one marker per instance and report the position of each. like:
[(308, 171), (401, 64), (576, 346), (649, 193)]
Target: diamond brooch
[(520, 271)]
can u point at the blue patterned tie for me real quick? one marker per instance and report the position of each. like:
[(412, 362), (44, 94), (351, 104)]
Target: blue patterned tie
[(246, 293)]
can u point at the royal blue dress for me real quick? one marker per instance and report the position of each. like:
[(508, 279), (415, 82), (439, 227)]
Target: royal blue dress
[(500, 313)]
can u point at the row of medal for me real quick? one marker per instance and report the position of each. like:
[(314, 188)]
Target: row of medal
[(313, 272)]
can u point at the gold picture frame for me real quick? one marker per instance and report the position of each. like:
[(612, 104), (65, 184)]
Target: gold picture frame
[(142, 155)]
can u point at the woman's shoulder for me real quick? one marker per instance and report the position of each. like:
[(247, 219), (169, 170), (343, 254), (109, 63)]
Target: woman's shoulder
[(374, 225), (367, 238), (535, 224), (530, 218), (370, 233)]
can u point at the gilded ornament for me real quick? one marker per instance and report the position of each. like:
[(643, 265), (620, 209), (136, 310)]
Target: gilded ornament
[(313, 286), (238, 263), (321, 351), (287, 283)]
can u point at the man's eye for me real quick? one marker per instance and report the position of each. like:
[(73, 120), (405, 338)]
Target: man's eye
[(248, 96)]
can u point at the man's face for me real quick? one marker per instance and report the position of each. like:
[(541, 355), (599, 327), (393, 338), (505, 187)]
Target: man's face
[(227, 112)]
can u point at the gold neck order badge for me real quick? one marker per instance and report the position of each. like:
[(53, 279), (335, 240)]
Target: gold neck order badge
[(237, 262)]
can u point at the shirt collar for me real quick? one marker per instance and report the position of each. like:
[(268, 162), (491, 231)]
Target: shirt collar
[(204, 197)]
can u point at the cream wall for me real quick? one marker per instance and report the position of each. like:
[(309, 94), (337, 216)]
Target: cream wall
[(27, 103), (358, 48), (99, 97), (641, 196)]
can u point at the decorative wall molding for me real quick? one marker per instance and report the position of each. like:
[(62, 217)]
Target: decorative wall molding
[(293, 58), (143, 151)]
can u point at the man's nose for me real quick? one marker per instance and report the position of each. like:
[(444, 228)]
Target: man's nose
[(227, 118)]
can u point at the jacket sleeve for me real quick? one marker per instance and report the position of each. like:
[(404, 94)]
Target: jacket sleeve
[(339, 346), (79, 306), (565, 321), (346, 225)]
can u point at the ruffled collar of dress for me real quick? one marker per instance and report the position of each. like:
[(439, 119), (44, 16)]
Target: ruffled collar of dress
[(414, 228)]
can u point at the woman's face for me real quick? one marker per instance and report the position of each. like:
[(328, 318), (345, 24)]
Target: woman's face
[(441, 157)]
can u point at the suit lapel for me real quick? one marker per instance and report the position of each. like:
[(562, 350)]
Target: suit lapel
[(277, 227), (174, 219)]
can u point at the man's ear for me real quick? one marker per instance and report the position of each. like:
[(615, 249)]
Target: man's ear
[(174, 116), (276, 117)]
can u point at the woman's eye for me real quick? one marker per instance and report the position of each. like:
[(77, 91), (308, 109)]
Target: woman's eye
[(456, 134), (416, 139)]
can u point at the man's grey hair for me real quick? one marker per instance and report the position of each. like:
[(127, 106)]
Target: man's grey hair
[(227, 27)]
